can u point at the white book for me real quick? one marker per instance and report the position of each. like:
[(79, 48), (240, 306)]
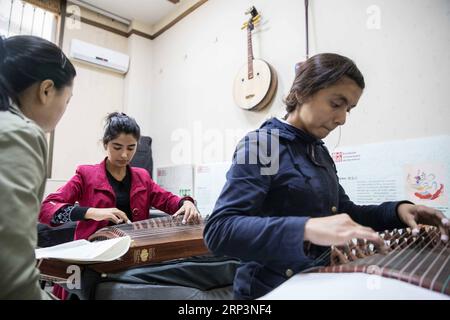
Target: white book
[(83, 251)]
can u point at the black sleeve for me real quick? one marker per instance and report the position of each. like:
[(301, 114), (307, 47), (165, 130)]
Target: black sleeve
[(187, 198), (69, 213)]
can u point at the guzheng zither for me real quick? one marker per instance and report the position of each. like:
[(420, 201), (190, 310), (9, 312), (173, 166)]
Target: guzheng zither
[(152, 241), (421, 258)]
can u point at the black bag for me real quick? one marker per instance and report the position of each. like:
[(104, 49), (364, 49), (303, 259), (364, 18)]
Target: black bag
[(51, 236), (143, 157)]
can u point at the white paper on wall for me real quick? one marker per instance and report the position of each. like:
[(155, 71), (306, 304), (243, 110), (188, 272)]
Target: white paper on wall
[(417, 170), (209, 182), (177, 179)]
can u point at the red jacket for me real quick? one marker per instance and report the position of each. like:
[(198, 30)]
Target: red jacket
[(90, 188)]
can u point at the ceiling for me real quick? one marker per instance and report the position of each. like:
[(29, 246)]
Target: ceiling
[(147, 11)]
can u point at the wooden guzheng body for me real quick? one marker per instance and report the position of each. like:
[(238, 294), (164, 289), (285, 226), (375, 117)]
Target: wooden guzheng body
[(421, 259), (153, 240)]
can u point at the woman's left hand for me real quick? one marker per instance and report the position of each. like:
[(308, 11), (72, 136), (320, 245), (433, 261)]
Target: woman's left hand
[(190, 212), (411, 215)]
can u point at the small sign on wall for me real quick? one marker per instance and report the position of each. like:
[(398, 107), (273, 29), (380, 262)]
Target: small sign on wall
[(417, 170), (177, 179)]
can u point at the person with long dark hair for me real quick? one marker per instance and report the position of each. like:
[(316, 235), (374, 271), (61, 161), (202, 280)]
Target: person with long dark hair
[(112, 191), (278, 213), (36, 81)]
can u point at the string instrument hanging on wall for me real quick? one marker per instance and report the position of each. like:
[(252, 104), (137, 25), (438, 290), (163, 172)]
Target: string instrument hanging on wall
[(255, 84)]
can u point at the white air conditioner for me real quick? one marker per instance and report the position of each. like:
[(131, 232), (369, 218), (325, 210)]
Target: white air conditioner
[(98, 56)]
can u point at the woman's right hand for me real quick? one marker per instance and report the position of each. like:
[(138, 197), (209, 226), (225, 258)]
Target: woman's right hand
[(112, 214), (338, 230)]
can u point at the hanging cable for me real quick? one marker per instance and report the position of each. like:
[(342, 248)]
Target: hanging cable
[(21, 17), (10, 15), (43, 22), (339, 139), (32, 21), (306, 28)]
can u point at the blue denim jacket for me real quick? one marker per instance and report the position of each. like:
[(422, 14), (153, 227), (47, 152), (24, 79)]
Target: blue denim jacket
[(262, 210)]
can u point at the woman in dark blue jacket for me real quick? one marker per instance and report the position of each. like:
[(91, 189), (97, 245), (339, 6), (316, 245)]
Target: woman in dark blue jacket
[(282, 204)]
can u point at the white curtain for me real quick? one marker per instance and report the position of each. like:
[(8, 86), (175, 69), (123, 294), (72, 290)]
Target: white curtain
[(19, 17)]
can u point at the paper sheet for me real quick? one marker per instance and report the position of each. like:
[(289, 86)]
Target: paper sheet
[(84, 251), (416, 169)]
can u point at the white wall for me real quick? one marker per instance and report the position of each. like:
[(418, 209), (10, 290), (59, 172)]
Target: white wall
[(137, 86), (179, 86), (96, 93), (405, 64)]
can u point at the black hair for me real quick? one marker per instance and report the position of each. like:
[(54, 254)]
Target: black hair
[(319, 72), (25, 60), (118, 123)]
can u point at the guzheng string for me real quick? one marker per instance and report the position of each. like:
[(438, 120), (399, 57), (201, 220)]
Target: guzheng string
[(395, 245), (392, 256), (327, 253), (161, 227), (421, 259)]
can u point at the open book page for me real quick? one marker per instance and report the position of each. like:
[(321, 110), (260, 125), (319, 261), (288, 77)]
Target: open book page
[(83, 251)]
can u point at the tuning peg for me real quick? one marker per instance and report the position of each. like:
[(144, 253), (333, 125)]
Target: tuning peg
[(249, 10), (257, 17)]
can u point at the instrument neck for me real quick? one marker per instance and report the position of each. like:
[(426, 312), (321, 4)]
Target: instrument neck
[(250, 53)]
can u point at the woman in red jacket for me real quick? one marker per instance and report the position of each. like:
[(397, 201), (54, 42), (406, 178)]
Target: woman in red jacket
[(112, 191)]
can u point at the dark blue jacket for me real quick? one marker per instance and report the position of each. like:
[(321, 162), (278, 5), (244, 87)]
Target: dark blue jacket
[(261, 212)]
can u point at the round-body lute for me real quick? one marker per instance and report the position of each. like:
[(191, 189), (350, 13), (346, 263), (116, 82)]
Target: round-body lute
[(256, 83), (255, 86)]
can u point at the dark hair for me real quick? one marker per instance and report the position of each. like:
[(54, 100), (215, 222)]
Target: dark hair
[(319, 72), (25, 60), (118, 123)]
